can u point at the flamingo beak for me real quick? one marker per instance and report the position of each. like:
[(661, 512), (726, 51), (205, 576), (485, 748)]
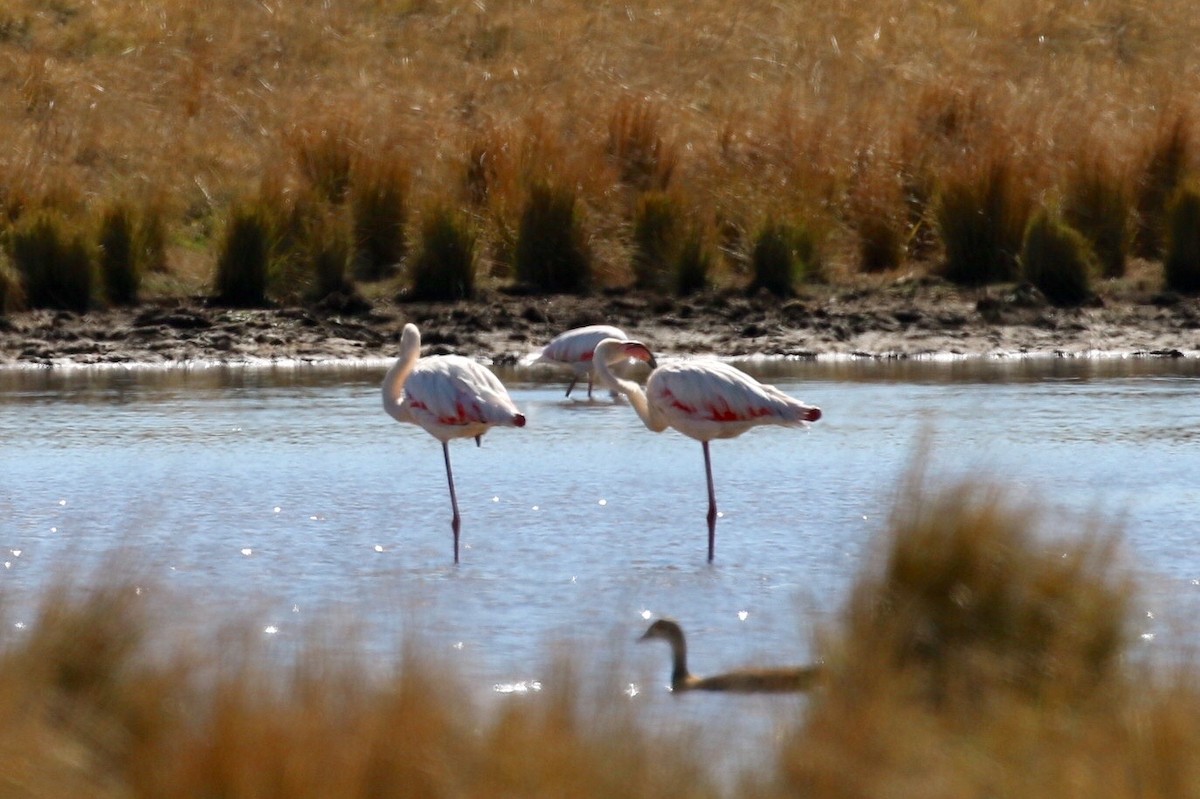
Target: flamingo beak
[(813, 415), (639, 351)]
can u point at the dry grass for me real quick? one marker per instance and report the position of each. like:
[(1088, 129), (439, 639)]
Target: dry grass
[(981, 656), (766, 109), (977, 655)]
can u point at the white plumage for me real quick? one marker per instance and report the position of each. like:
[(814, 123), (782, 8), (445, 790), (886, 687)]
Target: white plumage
[(449, 397), (575, 349), (703, 399)]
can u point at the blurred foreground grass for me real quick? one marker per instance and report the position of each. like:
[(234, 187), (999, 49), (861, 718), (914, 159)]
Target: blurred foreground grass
[(976, 655)]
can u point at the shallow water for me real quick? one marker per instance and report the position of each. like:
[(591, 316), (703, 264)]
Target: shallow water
[(286, 499)]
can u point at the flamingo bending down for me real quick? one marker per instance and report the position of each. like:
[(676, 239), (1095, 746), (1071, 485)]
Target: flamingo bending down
[(574, 348), (776, 680), (449, 396), (703, 399)]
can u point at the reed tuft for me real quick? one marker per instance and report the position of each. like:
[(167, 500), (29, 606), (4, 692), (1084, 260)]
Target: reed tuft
[(979, 654), (120, 258), (657, 224), (12, 293), (1167, 163), (1097, 203), (328, 250), (552, 252), (981, 214), (1058, 260), (244, 257), (446, 260), (325, 155), (694, 263), (784, 253), (635, 144), (379, 208), (1181, 264), (52, 256)]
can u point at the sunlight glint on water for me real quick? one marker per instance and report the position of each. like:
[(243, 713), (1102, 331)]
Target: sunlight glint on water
[(285, 499)]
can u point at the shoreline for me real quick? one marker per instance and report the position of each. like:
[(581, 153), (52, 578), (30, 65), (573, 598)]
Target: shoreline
[(925, 320)]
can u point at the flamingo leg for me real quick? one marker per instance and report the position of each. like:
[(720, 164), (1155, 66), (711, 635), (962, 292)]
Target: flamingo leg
[(589, 385), (712, 502), (454, 521), (574, 380)]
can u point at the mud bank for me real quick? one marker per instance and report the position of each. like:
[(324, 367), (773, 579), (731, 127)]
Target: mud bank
[(913, 319)]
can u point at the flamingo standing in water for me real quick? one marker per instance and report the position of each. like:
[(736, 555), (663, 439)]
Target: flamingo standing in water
[(575, 349), (703, 399), (449, 396)]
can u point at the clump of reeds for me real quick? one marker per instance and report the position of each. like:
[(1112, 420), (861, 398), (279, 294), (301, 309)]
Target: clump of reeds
[(446, 259), (325, 154), (981, 214), (1181, 263), (104, 698), (980, 654), (657, 224), (150, 244), (119, 254), (1096, 202), (551, 251), (1057, 259), (784, 253), (12, 293), (878, 211), (694, 263), (635, 144), (244, 257), (327, 250), (54, 259), (379, 209), (1166, 166)]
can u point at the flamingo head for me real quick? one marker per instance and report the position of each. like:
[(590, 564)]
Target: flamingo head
[(813, 415), (612, 351), (410, 338)]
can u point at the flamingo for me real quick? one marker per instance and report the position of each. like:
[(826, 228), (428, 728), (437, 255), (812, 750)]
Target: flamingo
[(774, 680), (450, 397), (703, 399), (575, 348)]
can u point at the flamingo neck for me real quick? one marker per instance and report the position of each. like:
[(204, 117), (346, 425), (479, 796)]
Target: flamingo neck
[(631, 390), (393, 381)]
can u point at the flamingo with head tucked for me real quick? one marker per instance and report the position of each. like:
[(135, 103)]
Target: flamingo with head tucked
[(575, 348), (703, 399), (450, 397)]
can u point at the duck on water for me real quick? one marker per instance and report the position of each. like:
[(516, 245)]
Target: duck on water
[(770, 680)]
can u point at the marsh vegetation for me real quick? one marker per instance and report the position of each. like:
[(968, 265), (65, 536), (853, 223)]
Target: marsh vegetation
[(663, 146), (974, 651)]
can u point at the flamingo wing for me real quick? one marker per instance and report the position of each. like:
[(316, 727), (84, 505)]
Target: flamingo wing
[(576, 346), (711, 399), (452, 391)]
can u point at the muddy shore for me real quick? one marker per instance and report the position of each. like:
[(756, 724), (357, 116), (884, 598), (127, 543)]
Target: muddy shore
[(923, 317)]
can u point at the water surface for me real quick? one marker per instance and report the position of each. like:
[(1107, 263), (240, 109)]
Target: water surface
[(285, 498)]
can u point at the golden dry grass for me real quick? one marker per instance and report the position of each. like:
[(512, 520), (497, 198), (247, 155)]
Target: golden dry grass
[(762, 108), (977, 655)]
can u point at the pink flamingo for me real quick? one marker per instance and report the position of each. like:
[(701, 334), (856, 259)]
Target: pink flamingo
[(702, 399), (449, 396), (574, 348)]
